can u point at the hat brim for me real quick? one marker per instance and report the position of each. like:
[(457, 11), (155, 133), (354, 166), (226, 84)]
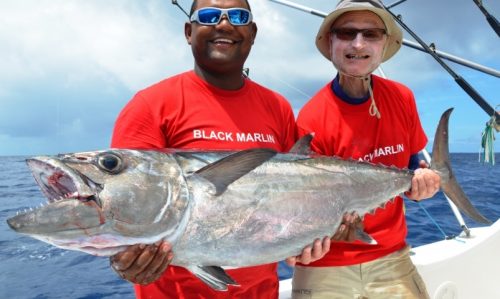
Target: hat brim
[(395, 36)]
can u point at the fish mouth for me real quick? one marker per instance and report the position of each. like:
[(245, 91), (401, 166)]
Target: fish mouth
[(72, 201), (73, 216), (59, 182)]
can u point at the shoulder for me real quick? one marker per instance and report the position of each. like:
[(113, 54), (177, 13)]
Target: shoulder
[(319, 100), (165, 86), (268, 95), (169, 90), (256, 87), (387, 84)]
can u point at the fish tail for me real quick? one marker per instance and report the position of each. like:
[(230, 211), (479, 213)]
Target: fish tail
[(441, 163)]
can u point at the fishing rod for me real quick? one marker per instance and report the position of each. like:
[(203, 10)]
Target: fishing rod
[(491, 19), (396, 3), (458, 79), (434, 53), (174, 2)]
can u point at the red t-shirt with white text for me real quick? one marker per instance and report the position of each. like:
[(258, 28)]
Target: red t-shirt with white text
[(348, 131), (185, 112)]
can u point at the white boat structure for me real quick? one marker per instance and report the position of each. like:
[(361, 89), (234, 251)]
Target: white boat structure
[(466, 266)]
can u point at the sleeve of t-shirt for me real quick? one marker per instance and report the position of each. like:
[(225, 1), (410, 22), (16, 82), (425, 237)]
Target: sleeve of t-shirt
[(291, 129), (136, 127)]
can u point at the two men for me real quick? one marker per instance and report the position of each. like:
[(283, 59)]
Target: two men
[(353, 116)]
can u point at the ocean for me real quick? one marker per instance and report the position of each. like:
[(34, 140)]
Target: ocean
[(33, 269)]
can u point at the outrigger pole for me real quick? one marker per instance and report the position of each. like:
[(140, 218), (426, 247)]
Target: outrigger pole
[(491, 19), (460, 81), (435, 54)]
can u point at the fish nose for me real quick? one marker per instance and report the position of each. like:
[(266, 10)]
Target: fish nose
[(16, 223)]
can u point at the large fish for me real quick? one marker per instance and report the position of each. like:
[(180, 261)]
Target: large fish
[(216, 208)]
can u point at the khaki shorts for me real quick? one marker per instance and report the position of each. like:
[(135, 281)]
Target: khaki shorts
[(392, 276)]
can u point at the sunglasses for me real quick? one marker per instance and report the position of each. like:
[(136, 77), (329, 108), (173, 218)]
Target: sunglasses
[(211, 16), (369, 34)]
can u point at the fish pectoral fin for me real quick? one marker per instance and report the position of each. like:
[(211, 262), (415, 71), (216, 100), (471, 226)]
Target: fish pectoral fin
[(365, 237), (214, 276), (229, 169)]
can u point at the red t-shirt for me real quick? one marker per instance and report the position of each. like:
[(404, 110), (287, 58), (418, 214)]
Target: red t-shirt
[(185, 112), (348, 131)]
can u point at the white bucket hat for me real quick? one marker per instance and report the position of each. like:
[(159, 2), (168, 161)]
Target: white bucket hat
[(394, 34)]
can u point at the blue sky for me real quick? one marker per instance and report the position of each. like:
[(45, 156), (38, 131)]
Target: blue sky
[(69, 66)]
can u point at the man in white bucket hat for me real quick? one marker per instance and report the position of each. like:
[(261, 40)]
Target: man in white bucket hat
[(361, 116)]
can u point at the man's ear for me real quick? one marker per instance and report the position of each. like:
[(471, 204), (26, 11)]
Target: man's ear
[(330, 38), (254, 32), (187, 32)]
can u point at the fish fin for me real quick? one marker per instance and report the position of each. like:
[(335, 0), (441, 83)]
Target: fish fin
[(363, 236), (214, 276), (229, 169), (303, 145), (441, 163)]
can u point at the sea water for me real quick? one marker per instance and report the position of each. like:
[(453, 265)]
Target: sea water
[(33, 269)]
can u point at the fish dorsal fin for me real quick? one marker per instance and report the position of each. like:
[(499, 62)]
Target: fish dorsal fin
[(214, 276), (227, 170), (303, 145)]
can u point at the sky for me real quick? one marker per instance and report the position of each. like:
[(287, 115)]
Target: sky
[(69, 66)]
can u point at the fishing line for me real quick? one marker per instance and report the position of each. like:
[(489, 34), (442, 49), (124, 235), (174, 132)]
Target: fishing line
[(434, 221), (289, 85)]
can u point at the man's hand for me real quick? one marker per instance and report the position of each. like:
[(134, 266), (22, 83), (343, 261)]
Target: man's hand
[(311, 253), (142, 264), (424, 184), (346, 232)]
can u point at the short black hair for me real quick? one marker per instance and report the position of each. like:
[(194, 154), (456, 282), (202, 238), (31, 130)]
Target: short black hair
[(195, 2)]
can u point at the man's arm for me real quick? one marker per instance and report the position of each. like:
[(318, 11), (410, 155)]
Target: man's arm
[(135, 128)]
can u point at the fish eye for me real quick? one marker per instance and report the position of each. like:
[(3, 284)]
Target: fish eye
[(110, 162)]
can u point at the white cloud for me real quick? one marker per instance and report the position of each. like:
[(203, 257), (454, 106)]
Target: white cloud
[(91, 40), (72, 64)]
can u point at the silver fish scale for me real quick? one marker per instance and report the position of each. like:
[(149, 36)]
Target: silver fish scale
[(266, 214)]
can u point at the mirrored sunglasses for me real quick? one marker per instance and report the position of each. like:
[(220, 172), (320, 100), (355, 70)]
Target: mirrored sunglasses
[(211, 16), (369, 34)]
